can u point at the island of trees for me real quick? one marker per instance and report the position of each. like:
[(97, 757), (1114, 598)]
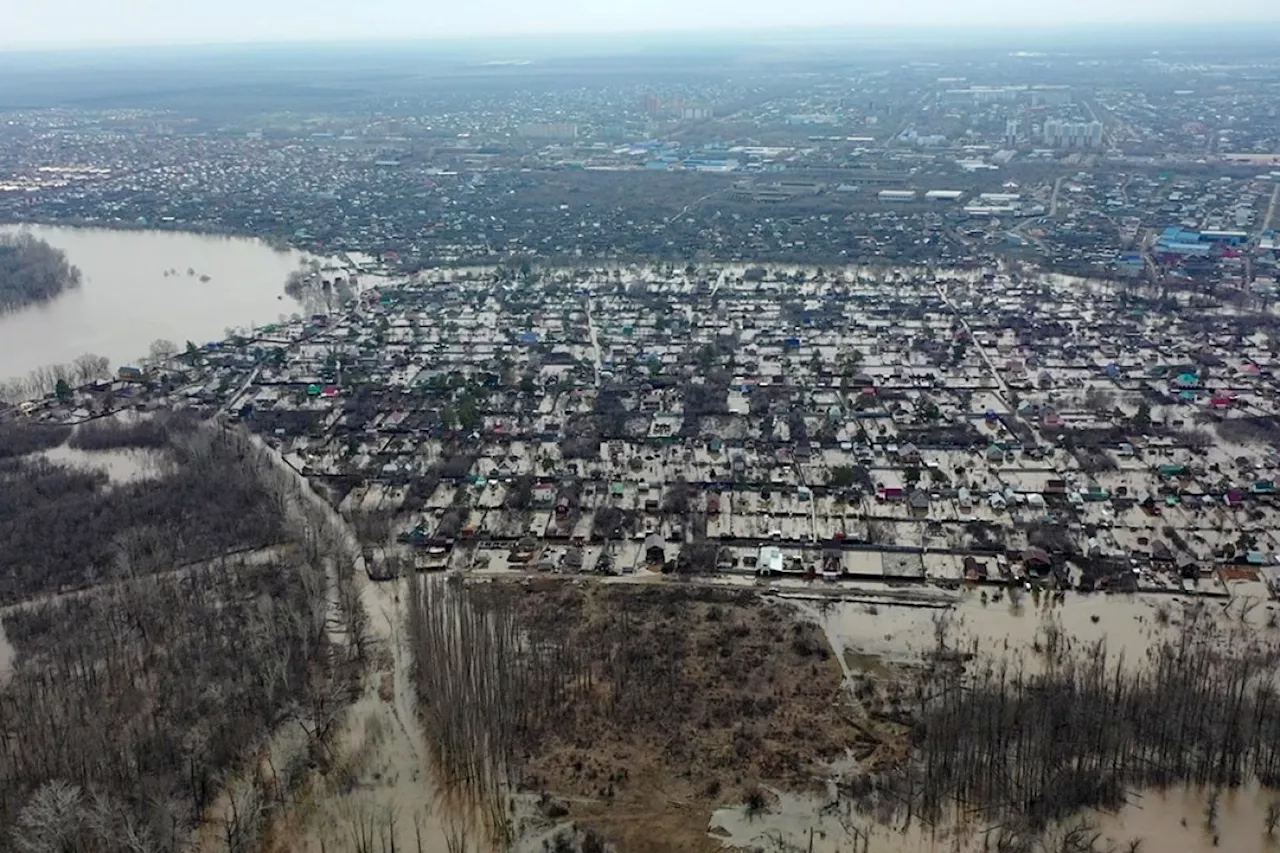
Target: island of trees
[(32, 271)]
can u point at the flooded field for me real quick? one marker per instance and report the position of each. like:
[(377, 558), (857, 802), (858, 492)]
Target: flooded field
[(996, 622), (1073, 649), (1172, 820)]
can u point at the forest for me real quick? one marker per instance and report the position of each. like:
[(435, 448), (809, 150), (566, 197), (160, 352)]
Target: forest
[(626, 698), (32, 271), (160, 649), (65, 528), (130, 706)]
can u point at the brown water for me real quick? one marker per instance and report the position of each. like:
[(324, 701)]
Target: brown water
[(1127, 624), (1172, 820), (871, 636), (6, 657), (125, 301)]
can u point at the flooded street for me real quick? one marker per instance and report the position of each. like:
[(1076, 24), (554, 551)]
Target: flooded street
[(142, 285), (379, 744)]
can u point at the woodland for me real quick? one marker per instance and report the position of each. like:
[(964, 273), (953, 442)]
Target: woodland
[(164, 632), (67, 528), (32, 271)]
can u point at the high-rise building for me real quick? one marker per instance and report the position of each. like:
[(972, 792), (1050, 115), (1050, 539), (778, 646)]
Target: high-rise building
[(1059, 133), (1011, 128)]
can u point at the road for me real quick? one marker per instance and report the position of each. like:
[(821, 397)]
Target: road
[(1148, 240), (1108, 139), (1271, 209), (1053, 202), (907, 119), (595, 343), (715, 288), (1002, 389), (690, 206), (233, 399)]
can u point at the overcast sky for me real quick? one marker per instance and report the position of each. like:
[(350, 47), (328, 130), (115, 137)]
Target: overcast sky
[(39, 23)]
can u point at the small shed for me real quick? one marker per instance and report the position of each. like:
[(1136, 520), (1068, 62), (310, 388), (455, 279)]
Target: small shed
[(655, 549)]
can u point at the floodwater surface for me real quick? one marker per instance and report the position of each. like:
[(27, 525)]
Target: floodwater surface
[(137, 286), (870, 636), (120, 466), (6, 657), (1177, 819), (1127, 625)]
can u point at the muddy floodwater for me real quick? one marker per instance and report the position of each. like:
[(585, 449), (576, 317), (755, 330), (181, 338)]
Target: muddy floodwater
[(870, 636), (1172, 820), (6, 657), (138, 286), (1127, 624), (120, 466)]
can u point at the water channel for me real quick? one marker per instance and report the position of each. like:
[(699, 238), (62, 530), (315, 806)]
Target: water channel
[(138, 286)]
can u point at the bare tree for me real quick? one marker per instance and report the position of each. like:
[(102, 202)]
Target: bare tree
[(163, 349)]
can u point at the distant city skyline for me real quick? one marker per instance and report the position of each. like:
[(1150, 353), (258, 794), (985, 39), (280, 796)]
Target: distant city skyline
[(86, 23)]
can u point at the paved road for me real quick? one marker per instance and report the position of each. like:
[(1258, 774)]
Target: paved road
[(1271, 208), (1053, 203), (690, 206)]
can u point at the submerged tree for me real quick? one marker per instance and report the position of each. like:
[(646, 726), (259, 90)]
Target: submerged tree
[(32, 271)]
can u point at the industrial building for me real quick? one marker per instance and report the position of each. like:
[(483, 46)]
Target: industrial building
[(944, 195), (1179, 241), (896, 195)]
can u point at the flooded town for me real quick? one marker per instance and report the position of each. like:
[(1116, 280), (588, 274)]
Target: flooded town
[(933, 468), (842, 442), (773, 422)]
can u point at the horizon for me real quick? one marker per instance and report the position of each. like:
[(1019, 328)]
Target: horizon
[(42, 28), (1002, 35)]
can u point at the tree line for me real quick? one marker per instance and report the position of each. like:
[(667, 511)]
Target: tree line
[(46, 379), (32, 271), (1033, 746), (18, 438), (118, 434)]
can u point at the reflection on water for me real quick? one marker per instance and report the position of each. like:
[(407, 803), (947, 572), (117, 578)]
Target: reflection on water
[(129, 297)]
